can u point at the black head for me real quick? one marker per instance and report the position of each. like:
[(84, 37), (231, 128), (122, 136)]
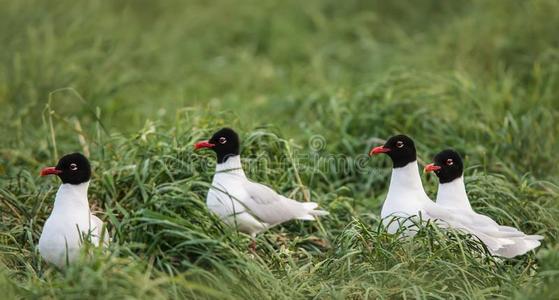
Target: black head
[(72, 168), (447, 165), (225, 143), (400, 148)]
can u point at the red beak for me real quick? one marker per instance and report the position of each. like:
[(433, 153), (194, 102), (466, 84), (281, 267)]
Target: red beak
[(50, 171), (430, 168), (203, 144), (378, 150)]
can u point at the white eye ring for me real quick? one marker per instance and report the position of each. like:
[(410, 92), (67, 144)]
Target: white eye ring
[(222, 140), (399, 144), (73, 167), (449, 162)]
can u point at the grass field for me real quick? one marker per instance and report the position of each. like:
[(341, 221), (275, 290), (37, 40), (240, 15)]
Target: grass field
[(311, 86)]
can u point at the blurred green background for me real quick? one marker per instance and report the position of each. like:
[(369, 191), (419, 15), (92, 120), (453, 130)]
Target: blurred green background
[(136, 82), (286, 64)]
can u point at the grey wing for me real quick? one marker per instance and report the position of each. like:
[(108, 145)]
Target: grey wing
[(487, 230), (475, 221), (270, 207)]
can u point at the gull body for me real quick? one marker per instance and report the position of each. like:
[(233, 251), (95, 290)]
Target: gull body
[(249, 206), (406, 196)]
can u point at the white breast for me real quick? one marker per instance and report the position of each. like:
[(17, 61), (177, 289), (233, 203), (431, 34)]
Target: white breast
[(67, 226)]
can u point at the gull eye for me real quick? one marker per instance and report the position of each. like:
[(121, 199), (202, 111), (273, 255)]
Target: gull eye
[(399, 144), (449, 162), (73, 167), (222, 140)]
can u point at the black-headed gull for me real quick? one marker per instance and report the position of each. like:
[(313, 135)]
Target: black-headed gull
[(70, 220), (406, 198), (449, 168), (248, 206)]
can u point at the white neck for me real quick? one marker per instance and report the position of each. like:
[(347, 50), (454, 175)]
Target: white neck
[(453, 194), (406, 178), (406, 195), (231, 166), (72, 195)]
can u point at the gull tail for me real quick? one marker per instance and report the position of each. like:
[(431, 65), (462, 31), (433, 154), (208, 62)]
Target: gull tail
[(311, 211), (520, 246)]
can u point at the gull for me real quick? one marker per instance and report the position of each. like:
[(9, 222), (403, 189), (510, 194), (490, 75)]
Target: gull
[(70, 221), (248, 206), (449, 168)]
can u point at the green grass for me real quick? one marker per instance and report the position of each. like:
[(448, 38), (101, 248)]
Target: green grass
[(311, 86)]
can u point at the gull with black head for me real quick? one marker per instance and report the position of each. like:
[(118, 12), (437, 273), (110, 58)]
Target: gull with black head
[(248, 206), (71, 219), (449, 168)]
